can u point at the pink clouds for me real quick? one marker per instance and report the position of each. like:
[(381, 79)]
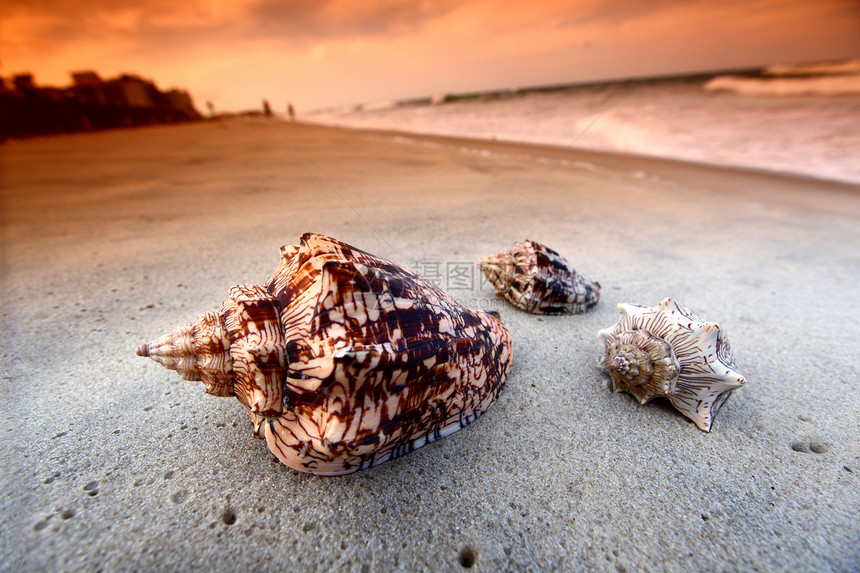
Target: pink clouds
[(338, 51)]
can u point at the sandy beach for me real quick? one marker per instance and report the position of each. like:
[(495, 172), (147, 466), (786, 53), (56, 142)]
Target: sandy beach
[(112, 463)]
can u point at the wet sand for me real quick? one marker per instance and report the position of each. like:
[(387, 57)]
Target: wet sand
[(110, 462)]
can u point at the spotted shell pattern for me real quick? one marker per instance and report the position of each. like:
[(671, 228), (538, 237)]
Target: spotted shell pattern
[(343, 359), (669, 351), (536, 279)]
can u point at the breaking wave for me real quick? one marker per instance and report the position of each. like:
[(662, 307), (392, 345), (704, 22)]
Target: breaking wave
[(807, 131), (828, 79)]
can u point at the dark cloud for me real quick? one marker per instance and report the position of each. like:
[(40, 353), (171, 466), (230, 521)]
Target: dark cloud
[(299, 19), (165, 27), (294, 22), (615, 12)]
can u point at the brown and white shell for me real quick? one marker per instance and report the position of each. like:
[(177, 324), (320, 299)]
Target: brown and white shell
[(344, 360), (536, 279), (669, 351)]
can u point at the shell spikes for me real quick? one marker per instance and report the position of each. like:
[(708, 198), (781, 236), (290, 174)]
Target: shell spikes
[(669, 351), (536, 279), (343, 360)]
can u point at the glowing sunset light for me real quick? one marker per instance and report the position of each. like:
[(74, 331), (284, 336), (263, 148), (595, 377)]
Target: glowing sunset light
[(318, 54)]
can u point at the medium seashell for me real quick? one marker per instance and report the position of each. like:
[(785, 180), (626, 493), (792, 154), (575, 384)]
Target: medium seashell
[(344, 360), (536, 279), (668, 350)]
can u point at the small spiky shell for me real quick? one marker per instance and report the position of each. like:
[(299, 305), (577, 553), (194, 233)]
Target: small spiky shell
[(536, 279), (344, 360), (669, 351)]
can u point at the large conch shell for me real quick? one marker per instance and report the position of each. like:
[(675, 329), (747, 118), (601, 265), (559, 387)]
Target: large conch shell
[(668, 350), (343, 359), (536, 279)]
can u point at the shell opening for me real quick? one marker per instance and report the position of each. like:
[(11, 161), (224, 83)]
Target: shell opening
[(641, 364)]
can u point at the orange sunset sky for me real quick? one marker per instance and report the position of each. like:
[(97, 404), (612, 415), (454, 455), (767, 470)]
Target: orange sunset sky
[(329, 52)]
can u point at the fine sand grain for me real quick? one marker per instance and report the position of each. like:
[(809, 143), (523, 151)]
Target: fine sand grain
[(110, 462)]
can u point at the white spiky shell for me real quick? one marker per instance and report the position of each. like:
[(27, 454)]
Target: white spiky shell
[(344, 360), (669, 351)]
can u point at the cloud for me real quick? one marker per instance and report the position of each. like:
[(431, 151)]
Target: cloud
[(613, 12), (51, 27), (167, 28), (297, 20), (347, 50), (166, 25)]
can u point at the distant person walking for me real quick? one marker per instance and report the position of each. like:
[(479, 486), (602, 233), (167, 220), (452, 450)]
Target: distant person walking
[(291, 113)]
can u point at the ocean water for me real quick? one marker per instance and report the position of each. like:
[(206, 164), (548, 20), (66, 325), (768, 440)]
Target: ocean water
[(799, 119)]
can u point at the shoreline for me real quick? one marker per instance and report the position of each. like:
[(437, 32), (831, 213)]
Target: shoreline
[(831, 195), (612, 157), (651, 159)]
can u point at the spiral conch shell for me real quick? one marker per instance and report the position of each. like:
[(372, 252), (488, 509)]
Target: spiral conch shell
[(668, 350), (344, 360), (536, 279)]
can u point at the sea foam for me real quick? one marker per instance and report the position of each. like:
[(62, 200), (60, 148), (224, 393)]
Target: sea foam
[(835, 79), (800, 119)]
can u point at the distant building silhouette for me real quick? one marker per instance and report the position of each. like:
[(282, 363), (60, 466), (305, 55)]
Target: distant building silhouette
[(23, 82), (90, 103), (86, 79)]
